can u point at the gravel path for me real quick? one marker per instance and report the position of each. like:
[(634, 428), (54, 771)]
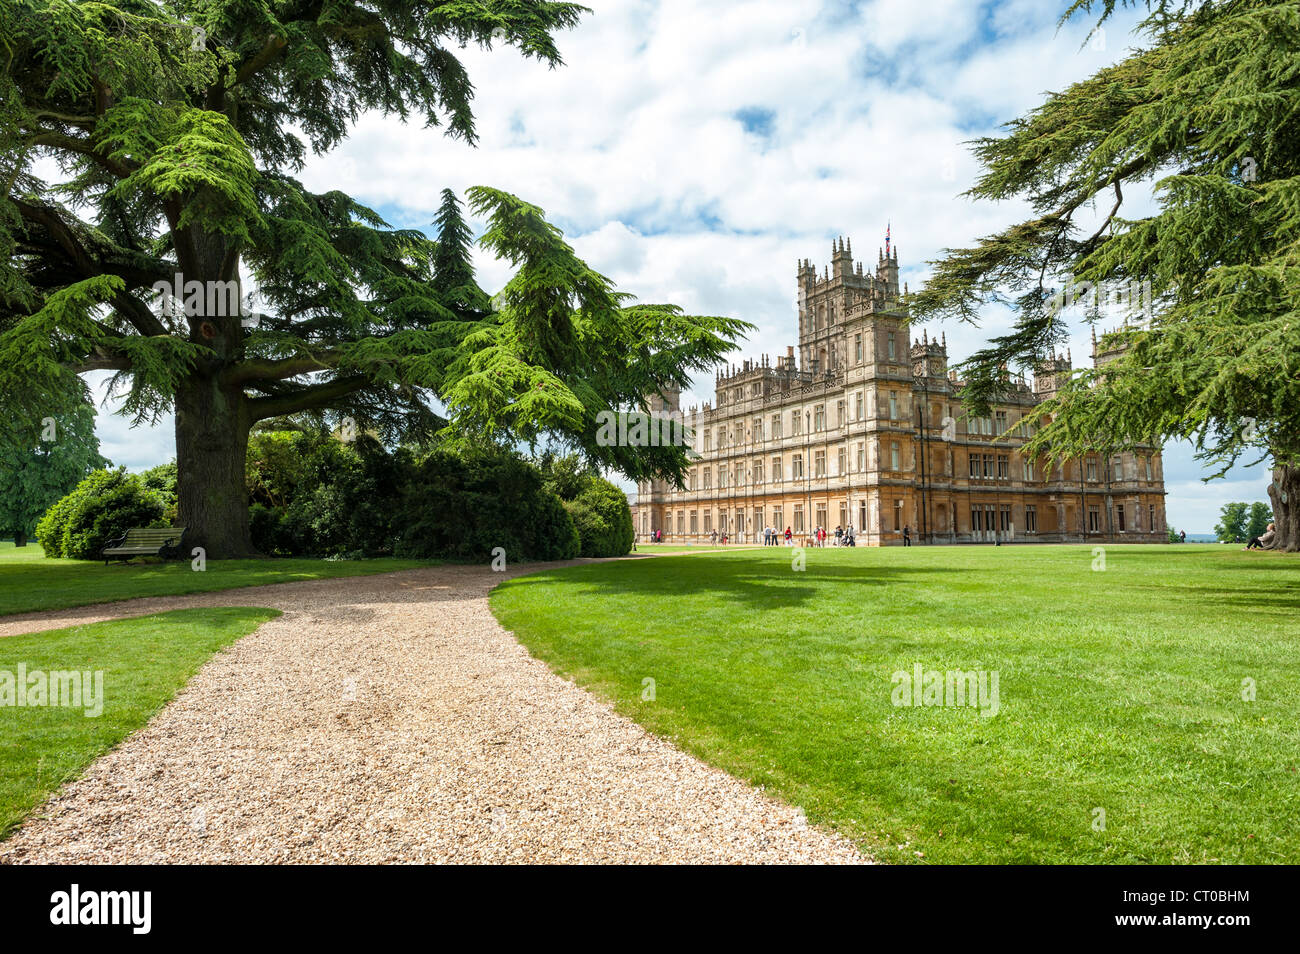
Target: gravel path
[(391, 719)]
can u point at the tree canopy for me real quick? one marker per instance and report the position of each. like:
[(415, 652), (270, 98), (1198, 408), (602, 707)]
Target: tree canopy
[(178, 129), (1206, 116), (37, 472)]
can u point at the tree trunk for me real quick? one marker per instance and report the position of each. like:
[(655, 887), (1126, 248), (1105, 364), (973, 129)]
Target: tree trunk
[(20, 538), (211, 447), (1284, 492)]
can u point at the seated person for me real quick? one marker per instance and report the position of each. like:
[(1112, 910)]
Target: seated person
[(1265, 540)]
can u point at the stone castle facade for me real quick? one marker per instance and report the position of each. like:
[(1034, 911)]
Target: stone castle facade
[(865, 428)]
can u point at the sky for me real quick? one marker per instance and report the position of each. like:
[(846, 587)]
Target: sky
[(694, 150)]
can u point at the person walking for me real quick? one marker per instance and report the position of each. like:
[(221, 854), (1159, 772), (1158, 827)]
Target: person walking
[(907, 535), (788, 536)]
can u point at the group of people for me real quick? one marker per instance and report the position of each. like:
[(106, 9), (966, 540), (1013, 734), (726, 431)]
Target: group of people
[(820, 537)]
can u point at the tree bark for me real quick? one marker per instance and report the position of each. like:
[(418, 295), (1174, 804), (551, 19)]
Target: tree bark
[(211, 447), (1284, 492)]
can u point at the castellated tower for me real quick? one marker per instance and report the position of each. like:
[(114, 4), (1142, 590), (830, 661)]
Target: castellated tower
[(667, 402), (826, 300), (861, 426), (1050, 373)]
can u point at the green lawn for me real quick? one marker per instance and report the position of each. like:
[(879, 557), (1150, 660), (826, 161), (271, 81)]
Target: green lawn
[(1119, 690), (144, 662), (30, 582)]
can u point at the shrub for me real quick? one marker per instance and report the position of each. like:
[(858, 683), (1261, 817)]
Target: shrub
[(103, 506), (603, 518), (465, 507)]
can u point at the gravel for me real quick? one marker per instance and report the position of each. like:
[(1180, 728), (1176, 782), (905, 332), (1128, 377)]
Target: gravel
[(391, 719)]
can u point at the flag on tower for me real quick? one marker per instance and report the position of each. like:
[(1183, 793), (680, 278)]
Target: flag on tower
[(886, 240)]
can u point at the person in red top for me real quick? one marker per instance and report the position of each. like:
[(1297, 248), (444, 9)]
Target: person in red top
[(788, 535)]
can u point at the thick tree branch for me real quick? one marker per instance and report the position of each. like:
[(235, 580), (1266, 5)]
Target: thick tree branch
[(307, 399), (278, 370)]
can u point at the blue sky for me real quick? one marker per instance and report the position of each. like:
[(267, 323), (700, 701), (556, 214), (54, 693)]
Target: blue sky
[(693, 150)]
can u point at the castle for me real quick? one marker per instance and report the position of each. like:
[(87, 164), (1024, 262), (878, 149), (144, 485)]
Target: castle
[(866, 429)]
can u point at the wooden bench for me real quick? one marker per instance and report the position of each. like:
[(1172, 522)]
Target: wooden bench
[(145, 541)]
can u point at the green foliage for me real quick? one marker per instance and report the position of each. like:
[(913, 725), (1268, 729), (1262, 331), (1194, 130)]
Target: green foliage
[(34, 478), (565, 475), (603, 518), (1258, 520), (466, 506), (1231, 527), (312, 494), (1206, 113), (104, 505), (182, 163)]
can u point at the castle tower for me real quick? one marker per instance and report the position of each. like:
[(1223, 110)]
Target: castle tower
[(1050, 373)]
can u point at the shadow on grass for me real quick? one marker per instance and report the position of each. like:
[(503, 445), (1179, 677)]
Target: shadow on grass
[(730, 580)]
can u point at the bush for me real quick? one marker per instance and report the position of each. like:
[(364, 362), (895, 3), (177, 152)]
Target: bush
[(103, 506), (603, 518), (465, 507)]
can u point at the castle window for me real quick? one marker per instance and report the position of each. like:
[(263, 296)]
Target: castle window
[(839, 414), (1092, 469), (976, 519), (1028, 466), (861, 409), (776, 426), (681, 523), (795, 423), (1094, 520), (695, 522), (1003, 467), (777, 470), (1004, 517), (708, 521), (843, 464), (893, 406), (1151, 517), (758, 428), (894, 456), (989, 464), (975, 466), (708, 441), (862, 457), (819, 464), (1031, 519), (898, 515), (857, 348), (758, 470), (796, 467), (893, 347), (798, 518), (1119, 516), (1000, 423), (708, 478), (819, 417)]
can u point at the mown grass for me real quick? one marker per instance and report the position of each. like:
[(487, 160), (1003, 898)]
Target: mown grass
[(1120, 689), (29, 582), (144, 662)]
